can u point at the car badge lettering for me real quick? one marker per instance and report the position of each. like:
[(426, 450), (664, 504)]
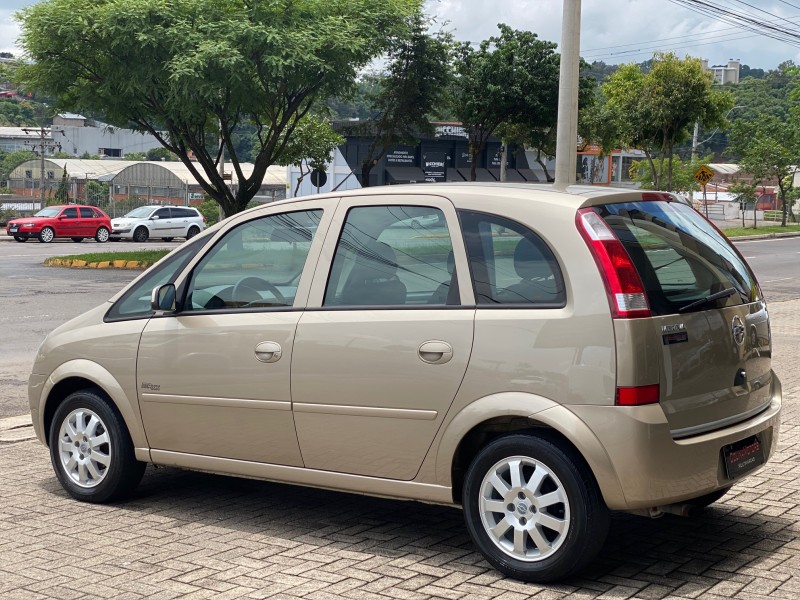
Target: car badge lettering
[(675, 328), (737, 327), (153, 387)]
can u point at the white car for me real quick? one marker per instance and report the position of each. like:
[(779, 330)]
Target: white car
[(165, 222)]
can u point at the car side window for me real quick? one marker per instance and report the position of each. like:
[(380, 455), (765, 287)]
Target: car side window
[(393, 255), (136, 301), (70, 213), (87, 213), (255, 265), (509, 263), (162, 213)]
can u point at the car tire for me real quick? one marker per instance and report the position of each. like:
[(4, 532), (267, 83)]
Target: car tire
[(77, 239), (169, 239), (533, 507), (20, 238), (140, 234), (91, 449), (193, 231), (102, 235), (46, 235)]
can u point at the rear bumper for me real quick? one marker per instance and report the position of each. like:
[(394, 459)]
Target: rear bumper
[(654, 469)]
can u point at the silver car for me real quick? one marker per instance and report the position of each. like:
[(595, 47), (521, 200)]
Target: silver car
[(164, 222), (539, 358)]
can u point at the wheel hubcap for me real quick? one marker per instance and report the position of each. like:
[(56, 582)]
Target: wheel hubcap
[(47, 235), (102, 235), (524, 508), (84, 448)]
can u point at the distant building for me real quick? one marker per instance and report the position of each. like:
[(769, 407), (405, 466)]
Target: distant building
[(724, 73), (78, 136)]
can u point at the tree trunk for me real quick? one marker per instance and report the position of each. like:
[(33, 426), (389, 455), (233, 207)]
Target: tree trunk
[(652, 169), (783, 202), (366, 167), (669, 168), (539, 160)]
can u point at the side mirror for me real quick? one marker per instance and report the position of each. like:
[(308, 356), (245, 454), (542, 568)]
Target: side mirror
[(163, 298), (154, 218)]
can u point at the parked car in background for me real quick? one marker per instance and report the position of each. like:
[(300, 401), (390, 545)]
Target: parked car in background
[(539, 358), (68, 221), (164, 222)]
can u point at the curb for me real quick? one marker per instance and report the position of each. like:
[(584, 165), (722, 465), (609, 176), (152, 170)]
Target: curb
[(82, 264), (764, 236)]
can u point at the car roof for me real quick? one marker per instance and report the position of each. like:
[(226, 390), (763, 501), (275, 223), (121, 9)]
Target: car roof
[(574, 196)]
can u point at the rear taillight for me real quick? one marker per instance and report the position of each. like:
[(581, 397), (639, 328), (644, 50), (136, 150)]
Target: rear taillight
[(637, 396), (626, 295)]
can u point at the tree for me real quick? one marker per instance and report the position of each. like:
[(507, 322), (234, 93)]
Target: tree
[(769, 150), (657, 110), (196, 70), (417, 80), (682, 173), (11, 160), (160, 154), (509, 78), (744, 193), (311, 146), (62, 193)]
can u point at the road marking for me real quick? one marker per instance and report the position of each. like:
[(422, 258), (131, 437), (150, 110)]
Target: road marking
[(781, 279)]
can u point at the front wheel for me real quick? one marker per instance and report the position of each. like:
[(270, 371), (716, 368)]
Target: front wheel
[(140, 234), (46, 235), (102, 235), (533, 508), (91, 449)]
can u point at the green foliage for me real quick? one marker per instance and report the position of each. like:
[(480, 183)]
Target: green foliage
[(96, 193), (311, 146), (87, 156), (160, 154), (682, 173), (19, 113), (357, 103), (210, 210), (509, 78), (136, 156), (769, 149), (195, 70), (11, 160), (657, 110), (62, 193), (416, 82)]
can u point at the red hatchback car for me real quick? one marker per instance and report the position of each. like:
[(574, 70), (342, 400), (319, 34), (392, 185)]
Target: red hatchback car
[(73, 221)]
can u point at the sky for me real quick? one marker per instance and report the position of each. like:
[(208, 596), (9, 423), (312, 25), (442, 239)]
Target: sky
[(614, 31)]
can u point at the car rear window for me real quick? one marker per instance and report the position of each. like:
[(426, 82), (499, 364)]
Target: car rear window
[(685, 264)]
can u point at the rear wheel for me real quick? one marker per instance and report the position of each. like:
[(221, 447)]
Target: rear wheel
[(91, 449), (46, 235), (20, 238), (77, 239), (141, 234), (102, 235), (193, 231), (533, 508)]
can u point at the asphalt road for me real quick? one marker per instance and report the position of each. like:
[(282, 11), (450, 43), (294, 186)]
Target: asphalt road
[(36, 299)]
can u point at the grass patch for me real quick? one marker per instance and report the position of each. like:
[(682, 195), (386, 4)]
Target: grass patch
[(150, 256), (140, 259), (760, 230)]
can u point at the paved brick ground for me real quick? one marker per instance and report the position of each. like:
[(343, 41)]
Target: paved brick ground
[(192, 535)]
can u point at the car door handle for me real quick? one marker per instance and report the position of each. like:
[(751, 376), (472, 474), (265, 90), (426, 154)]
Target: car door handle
[(268, 352), (435, 352)]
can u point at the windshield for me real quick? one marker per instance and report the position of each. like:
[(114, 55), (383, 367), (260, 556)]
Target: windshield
[(684, 262), (50, 211), (140, 213)]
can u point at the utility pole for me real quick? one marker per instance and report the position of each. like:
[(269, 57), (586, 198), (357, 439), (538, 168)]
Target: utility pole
[(44, 145), (567, 126), (694, 140)]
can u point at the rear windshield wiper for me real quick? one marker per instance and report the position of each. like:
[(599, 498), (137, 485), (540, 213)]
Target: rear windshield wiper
[(708, 299)]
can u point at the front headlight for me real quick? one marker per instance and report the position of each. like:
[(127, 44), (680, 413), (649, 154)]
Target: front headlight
[(29, 224)]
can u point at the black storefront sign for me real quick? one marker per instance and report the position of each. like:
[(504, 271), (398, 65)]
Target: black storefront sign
[(401, 156), (434, 164)]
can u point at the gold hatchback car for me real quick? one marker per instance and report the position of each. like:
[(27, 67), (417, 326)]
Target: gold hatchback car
[(539, 358)]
